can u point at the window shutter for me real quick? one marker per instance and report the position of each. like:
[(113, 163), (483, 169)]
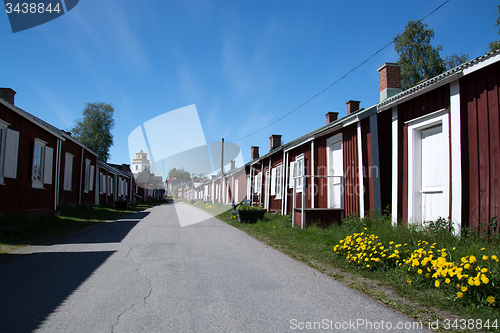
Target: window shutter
[(91, 186), (68, 171), (273, 181), (47, 168), (11, 153), (292, 174)]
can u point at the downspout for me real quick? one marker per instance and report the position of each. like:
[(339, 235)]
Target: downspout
[(360, 174), (312, 174), (58, 168), (284, 190)]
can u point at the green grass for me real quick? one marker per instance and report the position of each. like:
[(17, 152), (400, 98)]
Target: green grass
[(314, 246), (17, 230)]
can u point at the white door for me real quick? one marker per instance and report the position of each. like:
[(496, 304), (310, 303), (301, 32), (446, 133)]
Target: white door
[(335, 171), (434, 173)]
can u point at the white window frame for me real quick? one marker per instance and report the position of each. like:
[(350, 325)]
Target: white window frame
[(86, 185), (279, 181), (68, 171), (299, 170), (102, 183), (3, 139), (258, 183), (38, 180)]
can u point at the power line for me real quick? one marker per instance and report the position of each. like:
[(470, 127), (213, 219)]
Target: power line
[(343, 77)]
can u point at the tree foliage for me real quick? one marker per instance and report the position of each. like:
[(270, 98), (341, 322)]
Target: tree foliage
[(495, 45), (180, 174), (420, 60), (94, 129)]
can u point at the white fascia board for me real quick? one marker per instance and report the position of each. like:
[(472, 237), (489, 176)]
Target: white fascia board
[(482, 64), (67, 136), (298, 144), (381, 107), (25, 114)]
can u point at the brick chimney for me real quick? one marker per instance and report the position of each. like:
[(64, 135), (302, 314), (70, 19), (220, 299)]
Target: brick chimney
[(274, 141), (7, 94), (331, 116), (352, 106), (233, 165), (254, 153), (389, 76)]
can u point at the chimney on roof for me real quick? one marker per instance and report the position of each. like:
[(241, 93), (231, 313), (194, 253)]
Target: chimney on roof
[(389, 75), (331, 116), (7, 94), (233, 165), (254, 153), (352, 106), (274, 141)]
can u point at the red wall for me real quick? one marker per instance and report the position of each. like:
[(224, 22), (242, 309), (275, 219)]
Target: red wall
[(17, 194), (479, 94)]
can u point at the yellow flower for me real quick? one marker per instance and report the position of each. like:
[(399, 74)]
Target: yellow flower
[(477, 282), (485, 279), (464, 260), (472, 259), (460, 294), (408, 281), (484, 270), (458, 285), (482, 249), (494, 257), (420, 271), (367, 266), (436, 283), (471, 281), (427, 275), (491, 299), (467, 266), (447, 280), (454, 248), (463, 288), (485, 257)]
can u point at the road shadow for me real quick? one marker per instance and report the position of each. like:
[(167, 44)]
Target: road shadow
[(34, 285), (106, 232)]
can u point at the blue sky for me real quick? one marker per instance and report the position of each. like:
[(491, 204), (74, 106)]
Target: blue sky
[(244, 64)]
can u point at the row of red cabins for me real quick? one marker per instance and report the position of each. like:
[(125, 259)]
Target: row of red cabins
[(43, 167), (427, 152)]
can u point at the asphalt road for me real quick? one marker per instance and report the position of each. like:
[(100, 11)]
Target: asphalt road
[(146, 273)]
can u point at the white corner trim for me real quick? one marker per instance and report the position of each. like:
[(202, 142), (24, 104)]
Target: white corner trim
[(456, 156), (360, 174), (394, 202)]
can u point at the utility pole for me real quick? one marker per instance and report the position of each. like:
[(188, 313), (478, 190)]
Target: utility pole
[(222, 174)]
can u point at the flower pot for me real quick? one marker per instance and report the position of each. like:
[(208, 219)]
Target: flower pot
[(250, 216)]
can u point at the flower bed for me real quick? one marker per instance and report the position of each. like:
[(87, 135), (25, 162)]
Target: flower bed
[(465, 279)]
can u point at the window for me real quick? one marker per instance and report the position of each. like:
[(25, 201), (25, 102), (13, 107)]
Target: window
[(86, 184), (91, 184), (258, 183), (68, 171), (299, 172), (102, 183), (9, 149), (276, 180), (42, 164)]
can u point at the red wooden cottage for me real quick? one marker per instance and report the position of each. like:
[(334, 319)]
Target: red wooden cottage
[(29, 152)]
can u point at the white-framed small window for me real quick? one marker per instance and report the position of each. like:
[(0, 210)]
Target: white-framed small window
[(68, 171), (42, 164), (276, 181), (258, 183), (86, 184), (102, 183), (9, 151), (91, 184), (299, 172)]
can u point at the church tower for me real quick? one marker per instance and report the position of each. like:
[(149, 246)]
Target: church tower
[(140, 162)]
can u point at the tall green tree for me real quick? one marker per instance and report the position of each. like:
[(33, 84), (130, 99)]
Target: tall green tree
[(94, 129), (495, 45), (180, 174), (420, 60)]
